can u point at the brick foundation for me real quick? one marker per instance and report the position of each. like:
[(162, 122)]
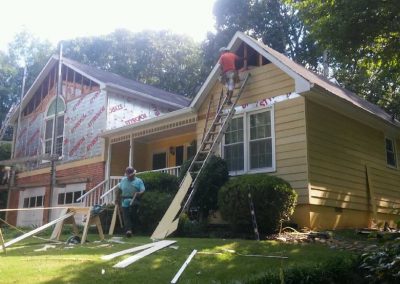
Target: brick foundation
[(92, 174)]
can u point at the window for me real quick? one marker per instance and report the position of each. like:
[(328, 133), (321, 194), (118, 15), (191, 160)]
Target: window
[(249, 143), (390, 152), (159, 161), (69, 197), (33, 201), (50, 128)]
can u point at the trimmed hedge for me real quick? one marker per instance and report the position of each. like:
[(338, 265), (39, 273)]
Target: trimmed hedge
[(273, 198)]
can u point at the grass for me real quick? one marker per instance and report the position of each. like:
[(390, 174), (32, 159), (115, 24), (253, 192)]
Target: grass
[(217, 261)]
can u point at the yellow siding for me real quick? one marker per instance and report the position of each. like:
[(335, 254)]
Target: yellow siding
[(291, 148), (339, 151), (291, 145), (162, 145)]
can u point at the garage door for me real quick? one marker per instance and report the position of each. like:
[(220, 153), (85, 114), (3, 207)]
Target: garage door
[(31, 198)]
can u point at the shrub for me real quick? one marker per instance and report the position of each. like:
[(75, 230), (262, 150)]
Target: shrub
[(383, 264), (160, 190), (339, 269), (273, 200), (212, 177), (156, 181)]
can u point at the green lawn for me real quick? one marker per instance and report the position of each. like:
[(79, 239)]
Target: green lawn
[(217, 261)]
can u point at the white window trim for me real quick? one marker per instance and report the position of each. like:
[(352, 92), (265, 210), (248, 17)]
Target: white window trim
[(394, 152), (46, 118), (246, 139)]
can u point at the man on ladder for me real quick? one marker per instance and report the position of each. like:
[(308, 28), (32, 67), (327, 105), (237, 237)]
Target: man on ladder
[(229, 73)]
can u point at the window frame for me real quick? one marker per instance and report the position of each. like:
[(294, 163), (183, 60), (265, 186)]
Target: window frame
[(394, 152), (60, 114), (246, 141)]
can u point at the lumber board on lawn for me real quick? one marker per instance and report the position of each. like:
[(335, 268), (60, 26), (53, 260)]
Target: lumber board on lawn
[(55, 235), (2, 241), (37, 230), (178, 274), (142, 254), (162, 229), (134, 249)]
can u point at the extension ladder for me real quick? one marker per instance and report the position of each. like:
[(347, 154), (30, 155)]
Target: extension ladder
[(188, 187)]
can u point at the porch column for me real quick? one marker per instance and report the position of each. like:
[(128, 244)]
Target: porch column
[(131, 151), (108, 163)]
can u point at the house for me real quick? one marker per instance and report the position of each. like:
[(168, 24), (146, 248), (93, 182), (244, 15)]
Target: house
[(91, 102), (338, 151)]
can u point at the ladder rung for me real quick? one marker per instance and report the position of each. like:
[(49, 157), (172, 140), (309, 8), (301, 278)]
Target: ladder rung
[(198, 162)]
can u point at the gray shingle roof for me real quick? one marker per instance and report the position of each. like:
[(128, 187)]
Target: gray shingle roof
[(109, 78)]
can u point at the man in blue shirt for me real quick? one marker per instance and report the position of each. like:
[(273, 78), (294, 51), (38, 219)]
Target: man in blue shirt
[(131, 188)]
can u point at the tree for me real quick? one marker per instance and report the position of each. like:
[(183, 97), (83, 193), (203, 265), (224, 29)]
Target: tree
[(362, 37), (158, 58), (272, 21)]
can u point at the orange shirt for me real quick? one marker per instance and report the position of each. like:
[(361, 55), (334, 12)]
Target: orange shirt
[(227, 61)]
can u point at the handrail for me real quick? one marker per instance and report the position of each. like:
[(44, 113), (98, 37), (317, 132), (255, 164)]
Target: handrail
[(108, 191), (90, 191)]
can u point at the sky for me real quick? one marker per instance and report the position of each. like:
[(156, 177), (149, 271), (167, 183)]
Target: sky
[(57, 20)]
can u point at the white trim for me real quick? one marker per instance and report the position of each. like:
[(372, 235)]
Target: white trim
[(246, 141), (301, 84)]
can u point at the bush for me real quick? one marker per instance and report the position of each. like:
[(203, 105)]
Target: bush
[(162, 182), (382, 265), (213, 176), (273, 198), (160, 190), (336, 270)]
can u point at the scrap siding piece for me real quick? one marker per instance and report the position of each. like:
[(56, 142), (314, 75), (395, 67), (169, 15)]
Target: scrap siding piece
[(37, 230), (134, 249), (175, 279), (142, 254)]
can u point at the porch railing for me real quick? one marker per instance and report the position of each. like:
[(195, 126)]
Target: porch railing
[(104, 192)]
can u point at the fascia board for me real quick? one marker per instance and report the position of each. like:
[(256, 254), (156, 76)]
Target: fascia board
[(301, 84), (39, 79)]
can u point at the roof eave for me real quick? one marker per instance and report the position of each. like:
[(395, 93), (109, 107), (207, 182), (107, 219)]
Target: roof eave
[(114, 87)]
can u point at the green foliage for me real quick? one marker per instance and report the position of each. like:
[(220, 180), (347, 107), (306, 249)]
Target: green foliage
[(336, 270), (160, 190), (161, 182), (191, 228), (362, 39), (273, 198), (274, 22), (383, 264), (159, 58), (5, 151), (212, 177)]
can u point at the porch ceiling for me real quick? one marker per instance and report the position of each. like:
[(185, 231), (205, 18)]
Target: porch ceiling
[(167, 133)]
